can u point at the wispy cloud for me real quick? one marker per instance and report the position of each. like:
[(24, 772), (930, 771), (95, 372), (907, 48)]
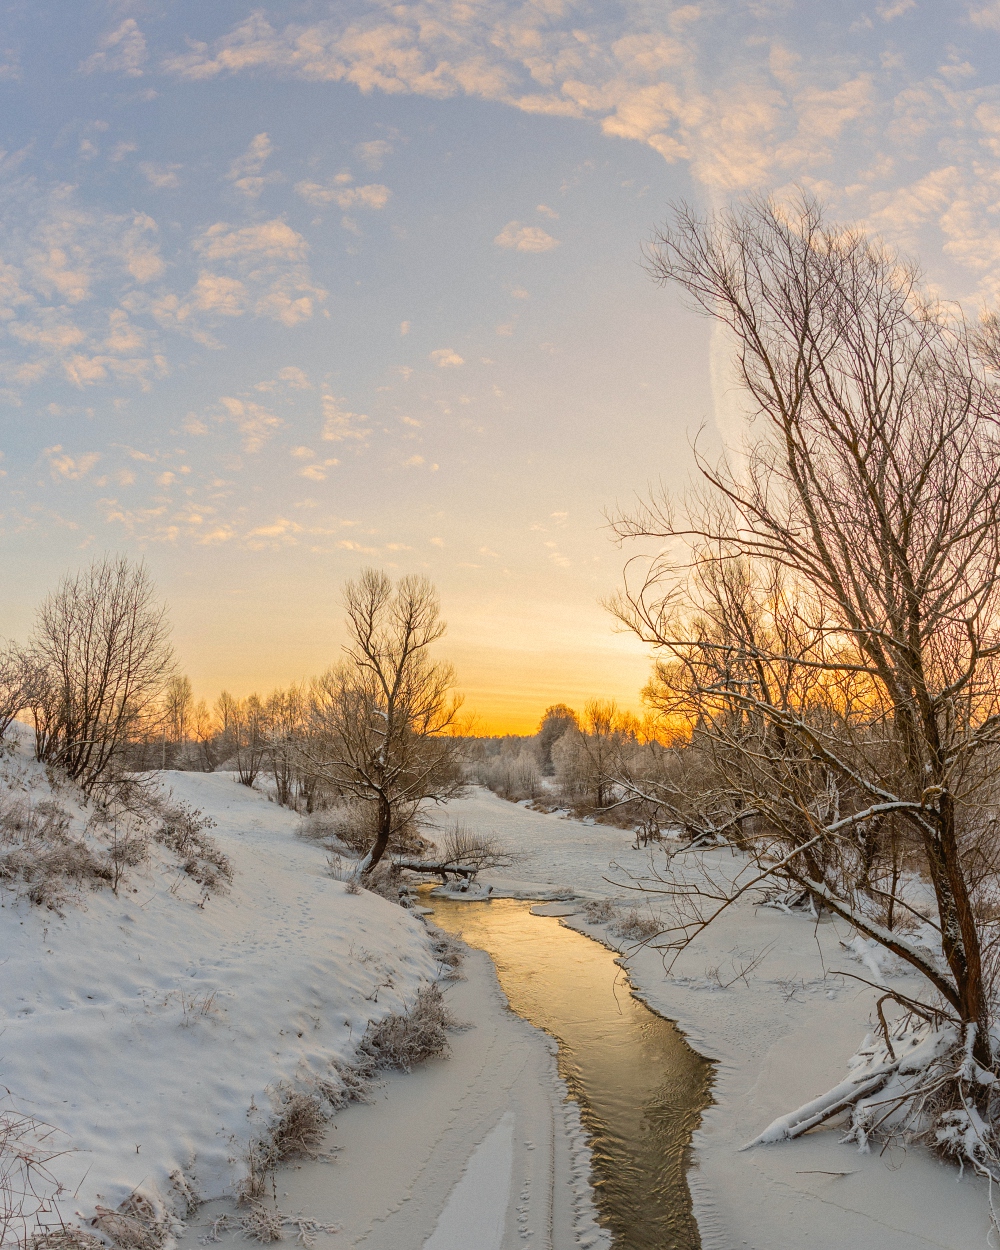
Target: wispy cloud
[(337, 191), (67, 467), (525, 238), (246, 171), (120, 51)]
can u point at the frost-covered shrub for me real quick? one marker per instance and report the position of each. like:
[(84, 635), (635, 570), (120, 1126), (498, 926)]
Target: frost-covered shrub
[(600, 911), (419, 1034), (508, 766), (447, 950), (135, 1225), (41, 858), (351, 825), (183, 832), (635, 926)]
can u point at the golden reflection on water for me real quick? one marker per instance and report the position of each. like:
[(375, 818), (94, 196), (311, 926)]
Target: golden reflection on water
[(641, 1088)]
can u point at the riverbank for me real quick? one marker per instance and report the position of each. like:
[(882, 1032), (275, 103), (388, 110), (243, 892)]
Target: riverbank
[(780, 1037), (477, 1151)]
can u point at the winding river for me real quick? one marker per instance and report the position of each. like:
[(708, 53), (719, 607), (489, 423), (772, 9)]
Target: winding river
[(640, 1087)]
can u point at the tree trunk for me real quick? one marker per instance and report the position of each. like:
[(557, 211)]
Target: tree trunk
[(959, 937), (383, 829)]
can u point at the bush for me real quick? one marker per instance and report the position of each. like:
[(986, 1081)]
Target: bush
[(635, 926), (183, 832)]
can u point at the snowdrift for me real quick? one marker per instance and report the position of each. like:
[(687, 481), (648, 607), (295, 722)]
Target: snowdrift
[(155, 1029)]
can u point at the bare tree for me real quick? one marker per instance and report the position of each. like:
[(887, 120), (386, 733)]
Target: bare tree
[(380, 721), (102, 660), (18, 682), (285, 715), (831, 634), (178, 706), (244, 733), (205, 730)]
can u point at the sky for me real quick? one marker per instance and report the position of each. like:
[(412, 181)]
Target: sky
[(293, 290)]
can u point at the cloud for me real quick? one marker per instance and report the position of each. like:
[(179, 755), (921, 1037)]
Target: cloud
[(892, 9), (987, 17), (121, 51), (374, 195), (294, 377), (255, 424), (339, 425), (660, 87), (271, 239), (445, 358), (547, 212), (69, 468), (317, 472), (215, 293), (162, 177), (373, 153), (269, 279), (525, 238), (245, 171)]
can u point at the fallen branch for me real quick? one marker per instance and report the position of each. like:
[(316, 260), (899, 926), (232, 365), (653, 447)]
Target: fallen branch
[(846, 1094), (439, 868)]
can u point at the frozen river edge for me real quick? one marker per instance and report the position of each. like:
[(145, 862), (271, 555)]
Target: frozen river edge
[(480, 1150)]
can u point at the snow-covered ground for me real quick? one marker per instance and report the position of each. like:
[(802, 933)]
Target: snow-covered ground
[(478, 1151), (143, 1027), (779, 1040)]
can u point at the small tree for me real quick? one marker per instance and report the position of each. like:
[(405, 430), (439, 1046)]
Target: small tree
[(379, 721), (18, 682), (102, 660), (557, 719)]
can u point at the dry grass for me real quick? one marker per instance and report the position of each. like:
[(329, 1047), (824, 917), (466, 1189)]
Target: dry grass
[(40, 858), (419, 1034), (449, 952), (387, 881), (300, 1129), (600, 911), (635, 926), (28, 1188), (135, 1224), (66, 1237), (183, 833), (297, 1132)]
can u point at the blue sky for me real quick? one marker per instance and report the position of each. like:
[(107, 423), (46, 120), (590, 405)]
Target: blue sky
[(288, 291)]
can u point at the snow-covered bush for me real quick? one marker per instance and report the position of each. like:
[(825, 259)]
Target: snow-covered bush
[(600, 911), (634, 925), (183, 832)]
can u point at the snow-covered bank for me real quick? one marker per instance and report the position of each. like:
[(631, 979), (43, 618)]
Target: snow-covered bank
[(144, 1027), (480, 1151), (780, 1039)]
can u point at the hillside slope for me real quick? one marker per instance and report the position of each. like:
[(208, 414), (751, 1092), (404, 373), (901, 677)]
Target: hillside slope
[(144, 1027)]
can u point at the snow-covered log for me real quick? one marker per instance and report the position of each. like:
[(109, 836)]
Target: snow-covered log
[(440, 868)]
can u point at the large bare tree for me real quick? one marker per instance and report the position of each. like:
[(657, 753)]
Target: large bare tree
[(380, 720), (826, 606)]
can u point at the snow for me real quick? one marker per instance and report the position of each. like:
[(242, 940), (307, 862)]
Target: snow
[(407, 1166), (144, 1027), (476, 1210), (779, 1042)]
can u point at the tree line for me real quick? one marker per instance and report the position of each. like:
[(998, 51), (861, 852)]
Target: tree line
[(98, 681)]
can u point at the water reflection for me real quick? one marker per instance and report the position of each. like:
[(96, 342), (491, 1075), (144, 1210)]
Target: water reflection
[(640, 1086)]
